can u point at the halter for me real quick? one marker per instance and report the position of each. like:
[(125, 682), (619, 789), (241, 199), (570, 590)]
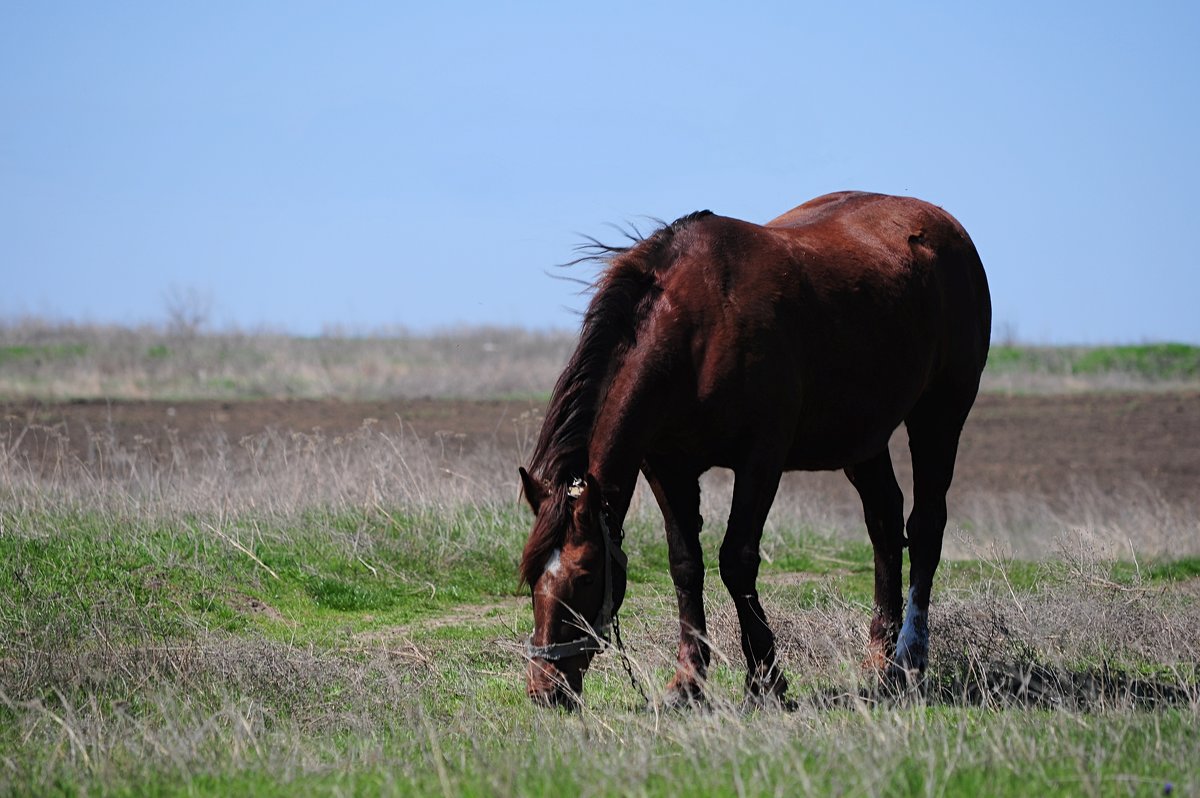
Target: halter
[(595, 636)]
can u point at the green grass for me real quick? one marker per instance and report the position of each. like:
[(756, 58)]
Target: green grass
[(41, 353), (369, 652), (1176, 570), (312, 571), (1158, 361), (528, 757), (1161, 361)]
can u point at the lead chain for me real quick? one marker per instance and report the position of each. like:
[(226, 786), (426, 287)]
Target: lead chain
[(616, 626)]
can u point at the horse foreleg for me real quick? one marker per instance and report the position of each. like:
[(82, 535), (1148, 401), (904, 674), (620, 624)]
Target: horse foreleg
[(678, 493), (883, 508), (752, 496)]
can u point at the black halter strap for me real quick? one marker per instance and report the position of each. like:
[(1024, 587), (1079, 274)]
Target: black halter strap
[(596, 636)]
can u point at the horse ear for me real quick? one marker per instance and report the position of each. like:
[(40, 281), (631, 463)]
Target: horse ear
[(534, 491), (595, 496)]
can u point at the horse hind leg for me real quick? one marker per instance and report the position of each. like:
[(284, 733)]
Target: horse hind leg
[(933, 431)]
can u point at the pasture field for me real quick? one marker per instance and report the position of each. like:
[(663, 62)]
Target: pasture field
[(319, 597), (65, 361)]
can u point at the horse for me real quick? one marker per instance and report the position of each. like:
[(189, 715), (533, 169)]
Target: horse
[(801, 344)]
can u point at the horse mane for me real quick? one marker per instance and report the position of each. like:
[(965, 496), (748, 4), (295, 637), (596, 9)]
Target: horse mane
[(623, 293)]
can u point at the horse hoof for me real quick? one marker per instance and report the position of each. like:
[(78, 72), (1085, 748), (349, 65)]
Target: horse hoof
[(774, 702), (768, 692), (684, 694), (675, 701), (876, 662), (901, 680)]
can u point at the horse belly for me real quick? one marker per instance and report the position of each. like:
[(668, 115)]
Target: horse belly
[(841, 423), (828, 444), (824, 436)]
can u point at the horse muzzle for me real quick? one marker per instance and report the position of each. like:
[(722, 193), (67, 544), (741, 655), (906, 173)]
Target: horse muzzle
[(556, 684)]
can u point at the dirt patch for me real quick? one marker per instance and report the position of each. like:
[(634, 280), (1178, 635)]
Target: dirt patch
[(1030, 444), (464, 423), (248, 605), (1036, 443)]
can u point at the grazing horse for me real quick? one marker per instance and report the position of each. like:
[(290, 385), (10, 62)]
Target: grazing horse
[(801, 344)]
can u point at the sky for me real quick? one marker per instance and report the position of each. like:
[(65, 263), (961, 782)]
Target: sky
[(360, 166)]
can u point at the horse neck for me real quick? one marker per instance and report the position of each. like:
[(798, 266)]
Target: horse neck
[(624, 425)]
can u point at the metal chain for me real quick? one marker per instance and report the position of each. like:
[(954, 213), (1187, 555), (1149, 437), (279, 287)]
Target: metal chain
[(616, 626)]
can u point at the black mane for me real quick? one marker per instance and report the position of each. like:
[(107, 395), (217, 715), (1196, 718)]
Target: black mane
[(623, 294)]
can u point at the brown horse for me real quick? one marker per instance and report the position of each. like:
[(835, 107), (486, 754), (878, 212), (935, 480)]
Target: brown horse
[(801, 344)]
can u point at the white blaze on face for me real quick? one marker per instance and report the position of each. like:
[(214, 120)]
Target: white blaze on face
[(552, 569)]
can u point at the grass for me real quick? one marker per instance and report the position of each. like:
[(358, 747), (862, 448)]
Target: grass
[(39, 354), (302, 615), (65, 361), (1047, 368), (1162, 361), (145, 657), (295, 614)]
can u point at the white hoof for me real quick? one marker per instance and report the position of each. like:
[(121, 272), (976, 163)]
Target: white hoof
[(912, 646)]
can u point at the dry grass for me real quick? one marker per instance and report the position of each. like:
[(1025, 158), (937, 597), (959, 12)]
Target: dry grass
[(282, 473), (273, 473), (64, 361), (1136, 522), (1020, 383), (72, 361)]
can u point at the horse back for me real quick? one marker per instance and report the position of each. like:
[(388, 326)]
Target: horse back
[(827, 324)]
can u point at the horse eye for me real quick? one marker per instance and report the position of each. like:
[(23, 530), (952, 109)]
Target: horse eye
[(587, 580)]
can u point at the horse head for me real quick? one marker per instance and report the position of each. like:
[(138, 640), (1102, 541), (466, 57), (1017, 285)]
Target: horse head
[(577, 573)]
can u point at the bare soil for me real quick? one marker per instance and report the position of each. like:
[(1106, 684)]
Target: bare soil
[(1028, 444)]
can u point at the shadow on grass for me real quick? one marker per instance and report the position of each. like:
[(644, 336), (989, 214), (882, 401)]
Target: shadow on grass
[(999, 685)]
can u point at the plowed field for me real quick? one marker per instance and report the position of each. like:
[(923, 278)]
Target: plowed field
[(1033, 444)]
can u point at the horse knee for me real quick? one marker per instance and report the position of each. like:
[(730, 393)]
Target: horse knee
[(926, 525), (739, 567), (687, 574)]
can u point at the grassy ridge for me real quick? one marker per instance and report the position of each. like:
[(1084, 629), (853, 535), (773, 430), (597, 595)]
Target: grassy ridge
[(316, 571)]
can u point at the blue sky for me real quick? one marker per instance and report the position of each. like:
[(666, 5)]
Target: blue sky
[(378, 164)]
